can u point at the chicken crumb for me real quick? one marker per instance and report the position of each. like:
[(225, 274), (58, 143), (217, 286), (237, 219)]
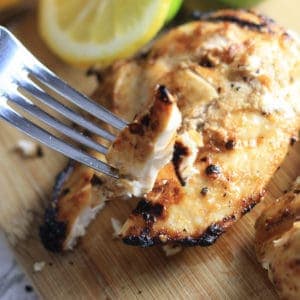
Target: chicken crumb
[(171, 250), (29, 149), (39, 266), (116, 224)]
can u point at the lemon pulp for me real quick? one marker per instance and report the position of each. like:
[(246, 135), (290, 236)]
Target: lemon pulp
[(85, 32)]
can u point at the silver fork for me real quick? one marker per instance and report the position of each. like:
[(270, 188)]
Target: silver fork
[(16, 65)]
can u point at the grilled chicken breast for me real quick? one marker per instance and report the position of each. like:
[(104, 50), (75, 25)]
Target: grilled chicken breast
[(235, 75), (278, 242)]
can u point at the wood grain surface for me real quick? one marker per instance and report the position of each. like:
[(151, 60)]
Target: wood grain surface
[(104, 268)]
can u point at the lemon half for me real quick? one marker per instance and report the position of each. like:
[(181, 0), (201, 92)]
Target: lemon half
[(85, 32)]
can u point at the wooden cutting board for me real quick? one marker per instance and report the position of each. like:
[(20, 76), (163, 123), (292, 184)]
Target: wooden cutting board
[(101, 267)]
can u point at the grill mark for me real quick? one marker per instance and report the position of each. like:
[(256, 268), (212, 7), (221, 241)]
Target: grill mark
[(179, 152), (148, 210), (238, 21), (265, 22)]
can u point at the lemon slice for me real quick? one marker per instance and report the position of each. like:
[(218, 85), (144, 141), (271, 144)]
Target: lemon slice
[(84, 32)]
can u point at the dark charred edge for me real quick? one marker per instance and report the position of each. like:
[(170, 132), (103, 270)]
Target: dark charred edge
[(207, 238), (248, 207), (209, 17), (53, 233), (250, 203), (143, 240)]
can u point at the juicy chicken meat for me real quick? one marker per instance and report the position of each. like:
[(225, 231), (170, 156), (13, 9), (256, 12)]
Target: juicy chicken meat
[(278, 242), (146, 145), (235, 75)]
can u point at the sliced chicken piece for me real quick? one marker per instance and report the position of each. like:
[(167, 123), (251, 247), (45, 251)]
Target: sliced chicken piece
[(278, 242), (147, 144), (75, 202), (235, 75)]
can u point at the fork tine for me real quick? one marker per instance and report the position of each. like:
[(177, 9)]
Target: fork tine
[(35, 111), (37, 92), (48, 78), (53, 142)]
